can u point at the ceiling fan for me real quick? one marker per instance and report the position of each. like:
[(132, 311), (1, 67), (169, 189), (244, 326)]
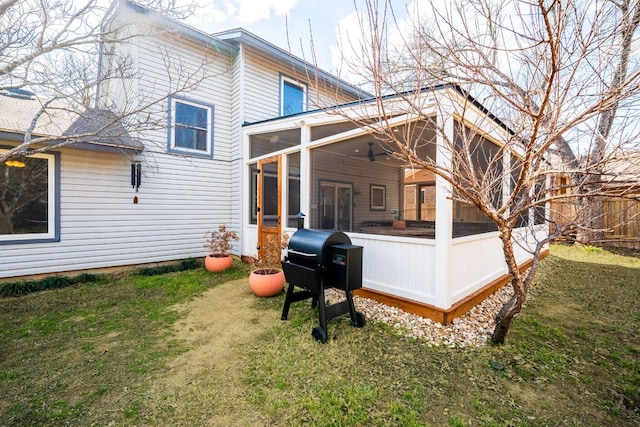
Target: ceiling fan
[(372, 156)]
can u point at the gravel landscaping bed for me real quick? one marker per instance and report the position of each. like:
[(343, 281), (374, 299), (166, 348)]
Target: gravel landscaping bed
[(472, 329)]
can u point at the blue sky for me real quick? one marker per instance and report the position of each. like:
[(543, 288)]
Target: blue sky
[(268, 20)]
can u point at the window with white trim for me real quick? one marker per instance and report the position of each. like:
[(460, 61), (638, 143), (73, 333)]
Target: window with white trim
[(293, 96), (29, 199), (190, 127)]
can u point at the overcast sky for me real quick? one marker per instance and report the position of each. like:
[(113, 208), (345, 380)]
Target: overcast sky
[(269, 19)]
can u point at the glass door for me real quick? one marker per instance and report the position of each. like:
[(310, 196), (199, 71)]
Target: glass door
[(269, 196), (336, 204)]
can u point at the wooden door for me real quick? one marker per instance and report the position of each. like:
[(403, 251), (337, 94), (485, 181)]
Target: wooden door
[(269, 209)]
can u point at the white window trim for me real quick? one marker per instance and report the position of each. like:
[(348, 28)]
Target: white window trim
[(171, 143), (53, 209), (296, 83)]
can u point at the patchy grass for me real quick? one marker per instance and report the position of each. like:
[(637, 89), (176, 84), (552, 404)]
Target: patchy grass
[(81, 353), (95, 353)]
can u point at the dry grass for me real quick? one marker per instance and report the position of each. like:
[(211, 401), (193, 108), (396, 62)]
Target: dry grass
[(144, 351)]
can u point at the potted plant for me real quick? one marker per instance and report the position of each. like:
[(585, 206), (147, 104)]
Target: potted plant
[(219, 244), (267, 279), (398, 223)]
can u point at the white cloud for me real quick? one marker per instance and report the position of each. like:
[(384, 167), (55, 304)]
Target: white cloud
[(348, 54), (217, 15)]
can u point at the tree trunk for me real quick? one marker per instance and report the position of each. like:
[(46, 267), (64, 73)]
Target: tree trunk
[(514, 304), (590, 220), (6, 224), (504, 318)]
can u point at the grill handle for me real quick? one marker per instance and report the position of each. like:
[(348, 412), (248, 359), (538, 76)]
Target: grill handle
[(305, 254)]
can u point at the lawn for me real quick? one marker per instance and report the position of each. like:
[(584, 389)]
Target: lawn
[(192, 348)]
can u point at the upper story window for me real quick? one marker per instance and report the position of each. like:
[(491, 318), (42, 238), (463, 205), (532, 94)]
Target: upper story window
[(190, 127), (29, 199), (293, 96)]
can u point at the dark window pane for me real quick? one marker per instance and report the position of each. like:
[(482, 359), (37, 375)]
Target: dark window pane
[(201, 143), (253, 195), (191, 127), (185, 137), (292, 99), (24, 193), (190, 115)]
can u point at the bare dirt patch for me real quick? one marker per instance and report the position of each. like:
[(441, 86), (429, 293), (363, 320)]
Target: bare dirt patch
[(216, 327)]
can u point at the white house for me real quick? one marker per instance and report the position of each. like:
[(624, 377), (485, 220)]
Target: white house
[(236, 105), (205, 87)]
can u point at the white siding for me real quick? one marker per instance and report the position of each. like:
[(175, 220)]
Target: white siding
[(477, 260), (180, 197), (359, 173), (102, 227), (262, 82)]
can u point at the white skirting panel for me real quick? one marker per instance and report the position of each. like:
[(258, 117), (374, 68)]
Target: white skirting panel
[(473, 263), (476, 261), (398, 266)]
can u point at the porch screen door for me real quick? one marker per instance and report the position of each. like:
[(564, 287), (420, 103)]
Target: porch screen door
[(269, 191)]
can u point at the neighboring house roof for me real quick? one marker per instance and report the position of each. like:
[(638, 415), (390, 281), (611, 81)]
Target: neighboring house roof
[(229, 41), (100, 127), (624, 168)]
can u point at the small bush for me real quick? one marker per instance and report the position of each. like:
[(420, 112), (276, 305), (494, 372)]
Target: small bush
[(15, 289), (184, 265)]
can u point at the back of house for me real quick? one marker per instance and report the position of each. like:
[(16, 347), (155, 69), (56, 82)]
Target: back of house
[(182, 97)]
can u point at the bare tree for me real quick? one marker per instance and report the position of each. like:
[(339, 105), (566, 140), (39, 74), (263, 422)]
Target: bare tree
[(50, 52), (72, 64), (559, 74)]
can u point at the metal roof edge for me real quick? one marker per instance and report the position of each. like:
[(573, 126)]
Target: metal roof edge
[(433, 88), (240, 35), (184, 29)]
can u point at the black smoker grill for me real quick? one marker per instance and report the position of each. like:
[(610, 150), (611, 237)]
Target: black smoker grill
[(319, 259)]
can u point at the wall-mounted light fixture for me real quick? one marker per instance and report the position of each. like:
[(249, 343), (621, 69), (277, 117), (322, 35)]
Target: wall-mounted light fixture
[(136, 175), (15, 163)]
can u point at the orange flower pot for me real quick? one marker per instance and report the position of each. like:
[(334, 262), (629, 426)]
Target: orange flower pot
[(266, 282), (218, 263)]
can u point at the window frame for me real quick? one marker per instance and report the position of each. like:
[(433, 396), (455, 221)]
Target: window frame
[(53, 201), (171, 128), (284, 79)]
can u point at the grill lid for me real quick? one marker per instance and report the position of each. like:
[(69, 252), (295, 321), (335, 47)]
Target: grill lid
[(309, 247)]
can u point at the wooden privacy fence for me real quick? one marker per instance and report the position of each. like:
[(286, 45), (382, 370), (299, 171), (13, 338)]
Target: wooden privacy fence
[(620, 219)]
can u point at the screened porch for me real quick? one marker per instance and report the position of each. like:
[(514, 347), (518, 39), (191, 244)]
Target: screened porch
[(414, 234)]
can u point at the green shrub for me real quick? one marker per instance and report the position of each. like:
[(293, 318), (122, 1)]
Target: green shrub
[(14, 289)]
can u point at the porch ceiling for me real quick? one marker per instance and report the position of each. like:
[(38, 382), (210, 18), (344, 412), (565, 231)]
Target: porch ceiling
[(358, 147)]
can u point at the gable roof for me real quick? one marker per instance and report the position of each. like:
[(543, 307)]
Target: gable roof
[(229, 41), (94, 127), (182, 29), (17, 112)]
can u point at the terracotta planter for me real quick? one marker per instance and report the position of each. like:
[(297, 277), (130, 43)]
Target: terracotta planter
[(218, 263), (266, 282), (399, 224)]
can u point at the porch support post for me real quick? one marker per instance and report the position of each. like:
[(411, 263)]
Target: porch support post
[(305, 174), (444, 213)]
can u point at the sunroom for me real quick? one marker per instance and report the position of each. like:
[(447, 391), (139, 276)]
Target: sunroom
[(423, 251)]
